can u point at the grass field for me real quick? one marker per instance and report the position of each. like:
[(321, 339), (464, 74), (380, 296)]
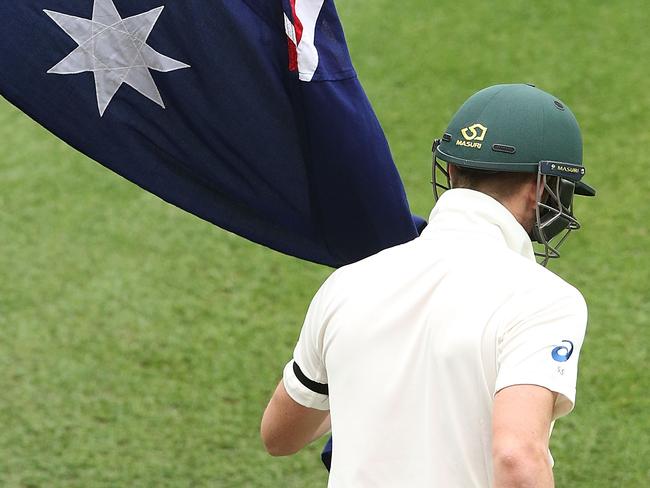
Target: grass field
[(138, 344)]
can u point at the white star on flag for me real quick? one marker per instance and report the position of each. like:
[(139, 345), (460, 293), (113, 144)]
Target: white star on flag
[(115, 50)]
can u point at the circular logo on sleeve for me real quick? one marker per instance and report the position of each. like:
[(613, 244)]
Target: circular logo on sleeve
[(562, 352)]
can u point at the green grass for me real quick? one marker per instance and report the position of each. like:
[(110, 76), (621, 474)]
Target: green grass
[(138, 344)]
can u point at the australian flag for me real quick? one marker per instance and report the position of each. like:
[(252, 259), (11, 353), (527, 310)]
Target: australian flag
[(246, 113)]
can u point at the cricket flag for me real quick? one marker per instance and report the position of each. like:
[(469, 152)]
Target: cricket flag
[(246, 113)]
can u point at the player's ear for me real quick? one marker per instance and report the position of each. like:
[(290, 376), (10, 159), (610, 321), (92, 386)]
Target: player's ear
[(533, 193), (451, 169)]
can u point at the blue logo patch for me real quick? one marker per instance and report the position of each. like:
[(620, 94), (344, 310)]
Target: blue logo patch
[(563, 353)]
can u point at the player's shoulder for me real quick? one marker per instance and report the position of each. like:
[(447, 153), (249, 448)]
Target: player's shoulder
[(396, 255), (369, 270), (542, 287)]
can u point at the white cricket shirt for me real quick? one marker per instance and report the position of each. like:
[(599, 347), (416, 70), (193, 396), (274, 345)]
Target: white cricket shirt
[(408, 347)]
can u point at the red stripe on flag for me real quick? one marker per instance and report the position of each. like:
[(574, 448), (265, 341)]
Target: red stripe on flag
[(296, 21), (293, 55)]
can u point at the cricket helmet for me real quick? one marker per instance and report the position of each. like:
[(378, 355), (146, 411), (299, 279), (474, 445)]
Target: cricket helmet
[(520, 128)]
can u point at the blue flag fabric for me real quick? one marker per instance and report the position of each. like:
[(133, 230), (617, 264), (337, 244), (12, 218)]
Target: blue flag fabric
[(246, 113)]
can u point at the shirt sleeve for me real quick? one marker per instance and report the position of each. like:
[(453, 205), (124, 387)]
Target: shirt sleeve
[(543, 347), (305, 377)]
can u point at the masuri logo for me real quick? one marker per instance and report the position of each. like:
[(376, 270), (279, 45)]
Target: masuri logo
[(475, 132), (472, 134)]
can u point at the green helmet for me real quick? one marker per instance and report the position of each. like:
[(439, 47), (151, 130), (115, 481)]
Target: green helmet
[(520, 128)]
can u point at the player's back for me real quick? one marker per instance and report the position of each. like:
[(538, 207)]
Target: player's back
[(410, 353)]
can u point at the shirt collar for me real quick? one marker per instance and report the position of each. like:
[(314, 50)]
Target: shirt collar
[(462, 209)]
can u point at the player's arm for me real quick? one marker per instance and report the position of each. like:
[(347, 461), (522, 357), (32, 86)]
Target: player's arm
[(521, 422), (537, 361), (298, 411), (288, 426)]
